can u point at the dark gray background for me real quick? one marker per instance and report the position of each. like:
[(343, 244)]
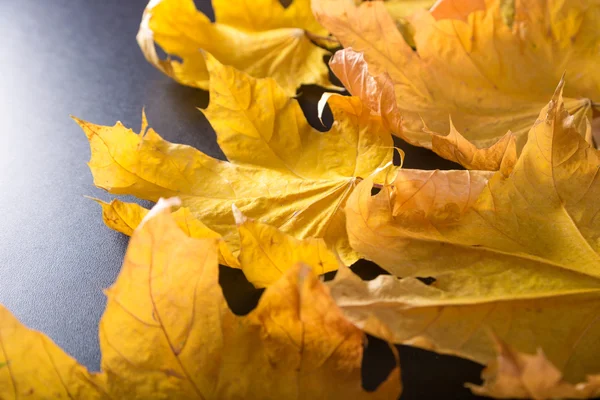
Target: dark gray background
[(61, 57)]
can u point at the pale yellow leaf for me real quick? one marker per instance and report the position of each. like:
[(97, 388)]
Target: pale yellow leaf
[(401, 9), (530, 376), (453, 316)]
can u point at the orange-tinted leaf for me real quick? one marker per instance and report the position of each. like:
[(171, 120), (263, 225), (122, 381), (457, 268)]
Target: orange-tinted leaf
[(167, 330), (168, 333), (519, 253), (515, 375), (378, 93), (502, 155), (400, 10), (544, 211), (490, 77), (456, 9)]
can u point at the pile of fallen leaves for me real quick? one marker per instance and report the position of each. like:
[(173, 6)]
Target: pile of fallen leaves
[(508, 89)]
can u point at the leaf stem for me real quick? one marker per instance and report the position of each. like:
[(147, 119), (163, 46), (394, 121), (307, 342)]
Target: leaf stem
[(328, 42)]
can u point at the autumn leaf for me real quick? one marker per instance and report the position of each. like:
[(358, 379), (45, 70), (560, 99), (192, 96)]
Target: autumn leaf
[(167, 332), (544, 211), (491, 74), (32, 366), (261, 38), (456, 9), (401, 9), (125, 217), (517, 253), (288, 347), (524, 376), (453, 315), (440, 9), (265, 252), (281, 171), (596, 130)]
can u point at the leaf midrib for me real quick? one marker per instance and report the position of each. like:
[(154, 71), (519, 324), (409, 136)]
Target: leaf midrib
[(456, 302)]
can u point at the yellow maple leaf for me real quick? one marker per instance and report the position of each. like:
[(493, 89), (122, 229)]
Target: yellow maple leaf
[(515, 375), (265, 252), (167, 332), (519, 253), (125, 217), (280, 170), (491, 74), (544, 211), (260, 37), (32, 366)]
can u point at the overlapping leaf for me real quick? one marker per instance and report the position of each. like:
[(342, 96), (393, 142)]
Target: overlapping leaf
[(125, 217), (440, 9), (167, 332), (517, 253), (400, 10), (260, 37), (265, 253), (545, 211), (167, 300), (453, 316), (31, 365), (456, 9), (515, 375), (281, 170), (491, 74)]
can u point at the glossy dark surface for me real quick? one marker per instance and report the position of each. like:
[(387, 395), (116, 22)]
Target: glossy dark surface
[(62, 57)]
